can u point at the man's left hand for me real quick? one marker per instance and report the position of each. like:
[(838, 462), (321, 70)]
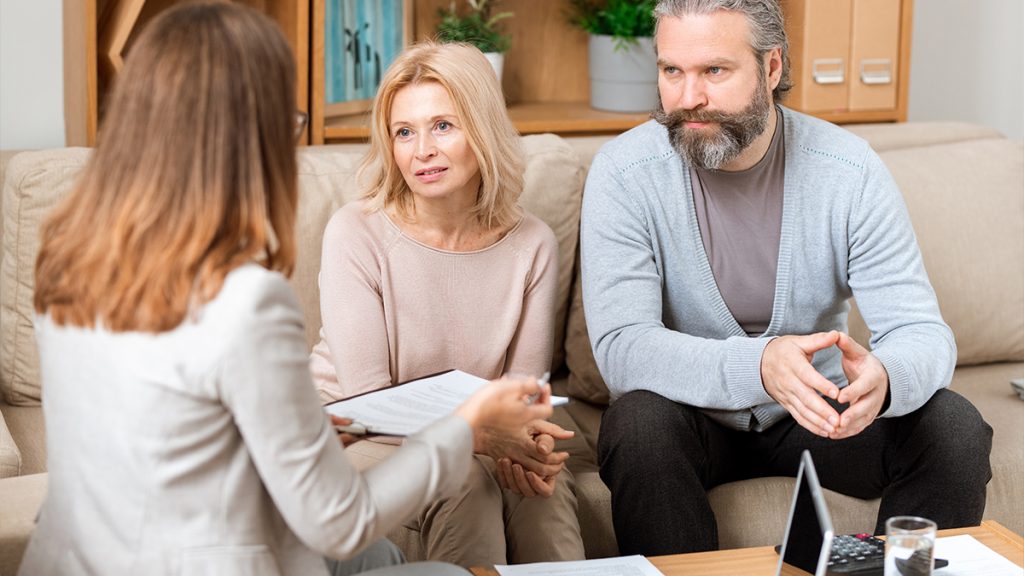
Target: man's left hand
[(869, 384)]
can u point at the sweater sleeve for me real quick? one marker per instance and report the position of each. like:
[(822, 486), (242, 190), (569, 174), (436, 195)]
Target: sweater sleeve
[(888, 279), (334, 509), (352, 308), (530, 351), (623, 299)]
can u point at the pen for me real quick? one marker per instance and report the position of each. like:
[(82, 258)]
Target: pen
[(541, 382), (353, 429)]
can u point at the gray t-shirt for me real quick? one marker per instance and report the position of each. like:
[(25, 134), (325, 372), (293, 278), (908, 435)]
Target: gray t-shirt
[(740, 219)]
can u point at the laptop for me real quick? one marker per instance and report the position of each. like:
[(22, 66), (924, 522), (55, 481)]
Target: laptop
[(810, 542)]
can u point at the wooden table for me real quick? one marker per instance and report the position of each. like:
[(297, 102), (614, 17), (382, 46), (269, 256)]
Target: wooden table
[(763, 560)]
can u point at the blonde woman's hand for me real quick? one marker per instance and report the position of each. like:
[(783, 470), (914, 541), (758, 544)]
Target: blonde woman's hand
[(522, 467), (504, 408)]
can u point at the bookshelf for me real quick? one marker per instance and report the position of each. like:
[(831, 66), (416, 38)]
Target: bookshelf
[(545, 80)]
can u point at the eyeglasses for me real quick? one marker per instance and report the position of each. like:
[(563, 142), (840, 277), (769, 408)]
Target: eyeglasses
[(301, 120)]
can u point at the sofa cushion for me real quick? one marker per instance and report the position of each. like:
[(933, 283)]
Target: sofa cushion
[(896, 136), (10, 456), (34, 183), (967, 206), (553, 191)]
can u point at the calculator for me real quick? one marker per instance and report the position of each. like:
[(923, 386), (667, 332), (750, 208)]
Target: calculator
[(856, 554)]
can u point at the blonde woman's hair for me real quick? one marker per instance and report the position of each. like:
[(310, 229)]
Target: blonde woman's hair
[(471, 84), (194, 175)]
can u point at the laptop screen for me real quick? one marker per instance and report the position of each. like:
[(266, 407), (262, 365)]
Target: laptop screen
[(810, 526)]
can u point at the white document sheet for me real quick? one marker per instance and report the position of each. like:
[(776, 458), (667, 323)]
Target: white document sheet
[(968, 557), (408, 408), (622, 566)]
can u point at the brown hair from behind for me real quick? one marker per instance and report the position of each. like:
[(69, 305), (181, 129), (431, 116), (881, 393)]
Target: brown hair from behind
[(463, 71), (194, 174)]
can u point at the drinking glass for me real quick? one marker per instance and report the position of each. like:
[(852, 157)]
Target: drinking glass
[(909, 546)]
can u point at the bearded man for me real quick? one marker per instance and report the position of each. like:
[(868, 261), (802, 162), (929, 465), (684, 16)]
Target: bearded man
[(721, 242)]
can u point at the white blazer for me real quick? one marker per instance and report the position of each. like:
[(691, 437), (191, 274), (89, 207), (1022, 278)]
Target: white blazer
[(204, 450)]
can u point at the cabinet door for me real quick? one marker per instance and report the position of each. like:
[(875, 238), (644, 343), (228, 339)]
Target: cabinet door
[(874, 54), (819, 35)]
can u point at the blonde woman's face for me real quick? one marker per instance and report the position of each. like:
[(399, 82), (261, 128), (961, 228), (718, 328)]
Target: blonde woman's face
[(430, 147)]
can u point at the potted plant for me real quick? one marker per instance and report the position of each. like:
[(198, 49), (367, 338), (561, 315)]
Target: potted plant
[(623, 67), (479, 28)]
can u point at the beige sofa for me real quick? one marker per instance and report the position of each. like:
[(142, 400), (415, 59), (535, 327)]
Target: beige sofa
[(964, 185)]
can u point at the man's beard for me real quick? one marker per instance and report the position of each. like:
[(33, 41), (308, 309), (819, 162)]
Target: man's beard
[(713, 147)]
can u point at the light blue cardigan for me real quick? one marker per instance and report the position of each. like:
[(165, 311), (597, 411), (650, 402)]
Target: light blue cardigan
[(658, 322)]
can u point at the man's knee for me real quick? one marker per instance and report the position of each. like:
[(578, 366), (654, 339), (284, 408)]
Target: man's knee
[(952, 419), (646, 428), (958, 433)]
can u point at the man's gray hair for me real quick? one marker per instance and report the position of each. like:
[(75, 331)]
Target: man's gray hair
[(767, 27)]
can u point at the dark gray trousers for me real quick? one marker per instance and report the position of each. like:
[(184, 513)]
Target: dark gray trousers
[(659, 458)]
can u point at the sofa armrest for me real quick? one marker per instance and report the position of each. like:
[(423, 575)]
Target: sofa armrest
[(10, 456), (20, 500)]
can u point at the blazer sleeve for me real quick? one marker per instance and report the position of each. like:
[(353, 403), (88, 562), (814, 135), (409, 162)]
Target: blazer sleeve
[(265, 383)]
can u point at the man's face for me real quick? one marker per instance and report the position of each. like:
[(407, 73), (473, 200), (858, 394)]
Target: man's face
[(714, 92)]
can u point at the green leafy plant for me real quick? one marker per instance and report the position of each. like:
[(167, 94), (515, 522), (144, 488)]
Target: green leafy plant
[(477, 27), (626, 20)]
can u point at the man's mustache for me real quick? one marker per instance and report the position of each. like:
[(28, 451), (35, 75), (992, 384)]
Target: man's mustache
[(676, 118)]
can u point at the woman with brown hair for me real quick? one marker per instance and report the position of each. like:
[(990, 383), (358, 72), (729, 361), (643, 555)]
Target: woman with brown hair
[(183, 433), (440, 268)]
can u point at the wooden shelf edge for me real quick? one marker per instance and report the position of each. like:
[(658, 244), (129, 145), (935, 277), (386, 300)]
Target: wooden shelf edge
[(566, 118), (858, 117)]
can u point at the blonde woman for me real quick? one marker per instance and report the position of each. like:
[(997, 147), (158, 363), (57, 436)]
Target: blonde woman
[(439, 268), (183, 432)]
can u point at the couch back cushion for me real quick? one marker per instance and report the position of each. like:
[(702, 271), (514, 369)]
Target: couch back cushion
[(966, 201), (36, 181), (963, 188)]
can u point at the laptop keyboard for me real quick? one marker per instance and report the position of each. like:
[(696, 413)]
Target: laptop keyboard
[(856, 554)]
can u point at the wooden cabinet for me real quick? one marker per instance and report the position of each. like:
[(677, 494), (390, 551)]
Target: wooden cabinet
[(850, 58), (98, 34)]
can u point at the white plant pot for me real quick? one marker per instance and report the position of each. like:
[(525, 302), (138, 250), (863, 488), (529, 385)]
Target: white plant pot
[(623, 79), (497, 60)]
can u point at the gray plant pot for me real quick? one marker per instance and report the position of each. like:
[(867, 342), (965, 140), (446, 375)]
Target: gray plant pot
[(623, 80)]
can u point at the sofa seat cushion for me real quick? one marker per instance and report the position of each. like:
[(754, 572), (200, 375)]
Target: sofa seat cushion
[(10, 456)]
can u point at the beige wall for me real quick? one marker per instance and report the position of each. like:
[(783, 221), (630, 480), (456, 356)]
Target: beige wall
[(967, 63)]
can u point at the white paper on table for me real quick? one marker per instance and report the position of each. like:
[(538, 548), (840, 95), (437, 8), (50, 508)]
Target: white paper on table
[(968, 557), (406, 409), (622, 566)]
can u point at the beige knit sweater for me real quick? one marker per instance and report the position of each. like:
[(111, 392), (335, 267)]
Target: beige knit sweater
[(395, 309)]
